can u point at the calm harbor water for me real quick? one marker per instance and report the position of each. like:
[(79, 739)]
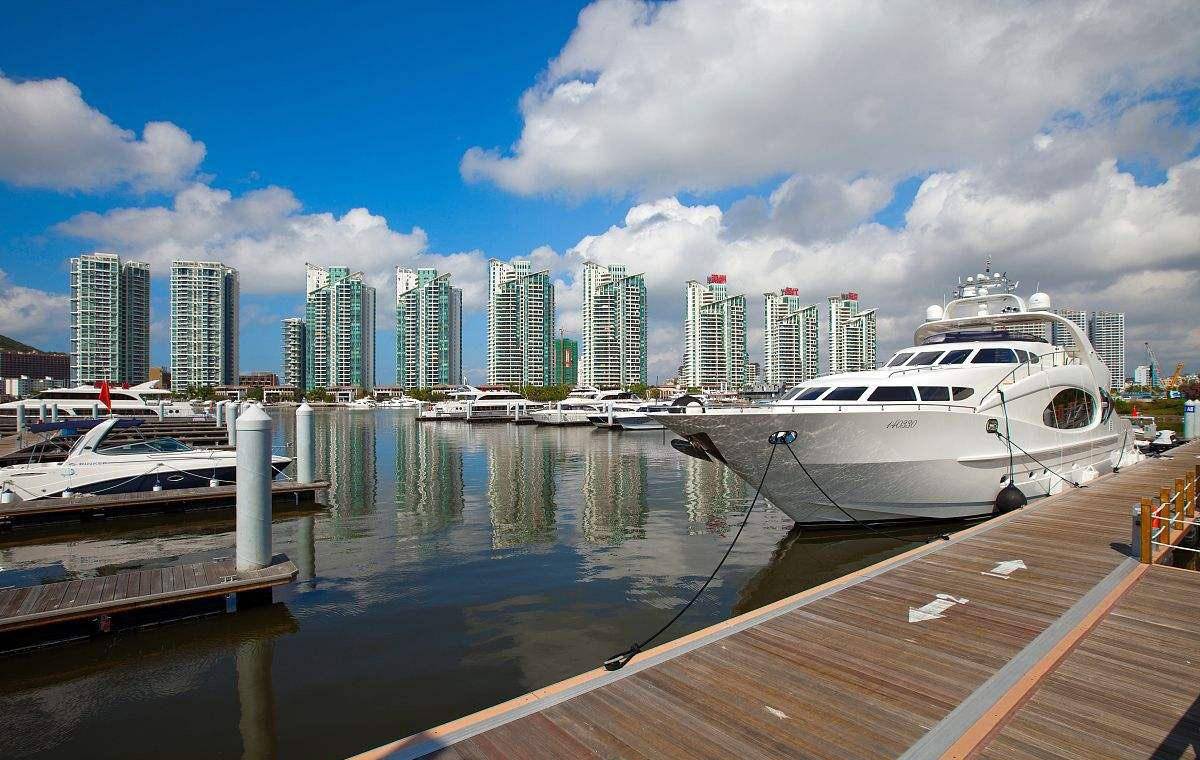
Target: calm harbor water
[(455, 566)]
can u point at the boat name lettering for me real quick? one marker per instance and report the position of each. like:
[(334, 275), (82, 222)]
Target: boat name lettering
[(902, 424)]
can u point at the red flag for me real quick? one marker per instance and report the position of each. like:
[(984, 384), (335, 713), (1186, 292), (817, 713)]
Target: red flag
[(104, 397)]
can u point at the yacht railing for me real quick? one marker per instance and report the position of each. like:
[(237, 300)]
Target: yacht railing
[(1031, 368)]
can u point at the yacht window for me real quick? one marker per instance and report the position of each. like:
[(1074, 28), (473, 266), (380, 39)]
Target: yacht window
[(811, 394), (898, 359), (995, 356), (957, 356), (962, 394), (1070, 408), (851, 393), (934, 393), (925, 358), (893, 393), (1106, 405)]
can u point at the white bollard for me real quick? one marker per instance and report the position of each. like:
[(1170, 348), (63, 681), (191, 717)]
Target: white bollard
[(253, 490), (231, 415), (41, 411), (7, 497), (20, 419), (221, 413), (96, 411), (304, 443), (54, 412), (162, 410), (1189, 419)]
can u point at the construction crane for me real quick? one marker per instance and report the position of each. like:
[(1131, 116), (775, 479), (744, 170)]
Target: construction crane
[(1154, 378), (1175, 379)]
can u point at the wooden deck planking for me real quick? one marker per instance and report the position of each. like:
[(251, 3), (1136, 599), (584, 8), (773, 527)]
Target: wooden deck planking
[(80, 507), (62, 601), (850, 674), (1129, 688)]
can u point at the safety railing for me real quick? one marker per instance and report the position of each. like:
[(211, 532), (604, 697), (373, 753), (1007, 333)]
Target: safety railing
[(1166, 522), (1035, 365)]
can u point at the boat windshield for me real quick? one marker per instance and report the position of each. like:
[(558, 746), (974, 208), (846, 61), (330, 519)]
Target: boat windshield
[(153, 446)]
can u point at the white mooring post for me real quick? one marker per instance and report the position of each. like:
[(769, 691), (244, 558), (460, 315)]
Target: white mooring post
[(95, 411), (41, 411), (304, 443), (231, 415), (162, 410), (21, 419), (220, 412), (54, 412), (253, 490)]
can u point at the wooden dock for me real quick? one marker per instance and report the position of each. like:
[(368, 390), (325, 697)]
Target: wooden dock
[(104, 596), (1033, 635), (40, 511)]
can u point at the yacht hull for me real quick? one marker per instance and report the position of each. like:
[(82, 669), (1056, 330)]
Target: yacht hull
[(897, 466)]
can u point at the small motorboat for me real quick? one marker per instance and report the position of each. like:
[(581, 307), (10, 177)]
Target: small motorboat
[(96, 465), (361, 405)]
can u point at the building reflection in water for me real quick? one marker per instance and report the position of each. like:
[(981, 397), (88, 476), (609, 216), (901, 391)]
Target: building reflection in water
[(521, 489), (345, 443), (710, 492), (429, 478), (614, 491)]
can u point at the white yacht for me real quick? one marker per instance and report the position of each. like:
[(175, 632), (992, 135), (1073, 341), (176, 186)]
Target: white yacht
[(644, 415), (137, 401), (581, 403), (361, 405), (96, 466), (978, 402), (483, 401), (398, 402)]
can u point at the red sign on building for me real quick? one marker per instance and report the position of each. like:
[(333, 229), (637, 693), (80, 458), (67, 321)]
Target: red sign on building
[(850, 296), (716, 279), (791, 291)]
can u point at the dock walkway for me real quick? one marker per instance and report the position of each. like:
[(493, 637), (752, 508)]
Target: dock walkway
[(1031, 635), (85, 507), (64, 601)]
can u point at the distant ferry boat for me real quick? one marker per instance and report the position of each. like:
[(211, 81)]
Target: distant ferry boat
[(976, 404), (137, 401)]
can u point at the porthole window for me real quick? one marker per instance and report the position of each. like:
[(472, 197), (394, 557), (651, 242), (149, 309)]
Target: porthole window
[(1070, 409)]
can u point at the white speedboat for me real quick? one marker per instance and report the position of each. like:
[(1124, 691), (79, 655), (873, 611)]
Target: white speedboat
[(138, 401), (96, 466), (580, 404), (644, 416), (928, 435), (361, 405), (484, 402)]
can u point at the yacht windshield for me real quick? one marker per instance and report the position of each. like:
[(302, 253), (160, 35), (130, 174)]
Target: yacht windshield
[(995, 356), (810, 393), (924, 358), (852, 393), (957, 356), (898, 359), (155, 446)]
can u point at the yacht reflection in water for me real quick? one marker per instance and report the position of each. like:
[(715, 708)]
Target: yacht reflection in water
[(429, 478), (806, 558)]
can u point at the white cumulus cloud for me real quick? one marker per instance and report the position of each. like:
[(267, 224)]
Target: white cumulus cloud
[(654, 98), (51, 138), (267, 237), (32, 316)]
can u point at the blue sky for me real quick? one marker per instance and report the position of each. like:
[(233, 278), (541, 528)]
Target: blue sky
[(371, 105), (828, 147)]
